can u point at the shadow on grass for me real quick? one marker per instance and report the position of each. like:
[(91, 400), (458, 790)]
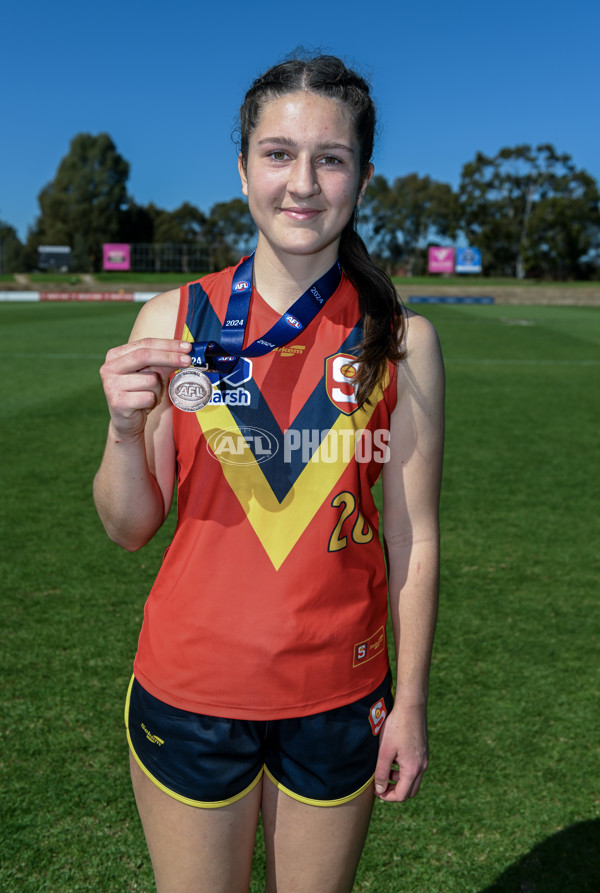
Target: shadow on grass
[(567, 862)]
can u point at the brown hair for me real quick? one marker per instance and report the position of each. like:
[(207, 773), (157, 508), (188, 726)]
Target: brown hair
[(381, 311)]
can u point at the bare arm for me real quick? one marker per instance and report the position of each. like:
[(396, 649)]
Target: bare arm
[(133, 488), (411, 487)]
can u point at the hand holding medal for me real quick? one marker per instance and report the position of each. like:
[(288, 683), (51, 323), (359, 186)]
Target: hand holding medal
[(134, 376)]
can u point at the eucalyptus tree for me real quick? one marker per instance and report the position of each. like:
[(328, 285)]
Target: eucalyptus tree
[(231, 231), (528, 209), (83, 205), (398, 219), (12, 259)]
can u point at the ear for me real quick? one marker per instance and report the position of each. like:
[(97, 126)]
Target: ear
[(365, 183), (243, 176)]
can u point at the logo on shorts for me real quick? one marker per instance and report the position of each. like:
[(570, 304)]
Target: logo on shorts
[(153, 738), (377, 716)]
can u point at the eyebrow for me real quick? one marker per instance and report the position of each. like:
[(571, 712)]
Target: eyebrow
[(323, 146)]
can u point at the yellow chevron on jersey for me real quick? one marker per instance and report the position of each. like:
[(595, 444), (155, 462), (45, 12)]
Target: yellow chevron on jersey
[(295, 512)]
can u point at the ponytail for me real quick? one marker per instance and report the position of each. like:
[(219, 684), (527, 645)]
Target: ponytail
[(384, 322)]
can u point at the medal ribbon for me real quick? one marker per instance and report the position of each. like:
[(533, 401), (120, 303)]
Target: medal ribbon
[(222, 357)]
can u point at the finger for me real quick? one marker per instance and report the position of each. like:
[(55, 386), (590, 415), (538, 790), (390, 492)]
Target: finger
[(385, 774), (404, 788), (137, 391), (168, 344), (143, 380), (145, 355), (394, 775)]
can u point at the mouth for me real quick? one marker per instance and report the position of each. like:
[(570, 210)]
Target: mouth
[(300, 213)]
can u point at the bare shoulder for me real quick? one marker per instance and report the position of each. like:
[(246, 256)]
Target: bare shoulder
[(423, 352), (420, 333), (158, 317)]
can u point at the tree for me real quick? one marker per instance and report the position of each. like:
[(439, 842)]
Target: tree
[(230, 232), (521, 208), (83, 205), (184, 225), (399, 219), (379, 225), (12, 252), (564, 231)]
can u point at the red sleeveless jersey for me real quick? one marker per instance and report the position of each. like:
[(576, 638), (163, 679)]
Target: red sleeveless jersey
[(271, 600)]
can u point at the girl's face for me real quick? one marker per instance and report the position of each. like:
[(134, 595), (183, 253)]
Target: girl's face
[(302, 175)]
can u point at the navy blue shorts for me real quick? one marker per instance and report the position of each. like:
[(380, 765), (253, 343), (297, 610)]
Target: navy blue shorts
[(324, 759)]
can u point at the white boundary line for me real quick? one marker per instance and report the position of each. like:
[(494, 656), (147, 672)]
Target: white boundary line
[(84, 297), (52, 356)]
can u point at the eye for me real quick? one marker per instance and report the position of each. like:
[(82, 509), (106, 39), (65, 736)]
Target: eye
[(331, 160), (277, 155)]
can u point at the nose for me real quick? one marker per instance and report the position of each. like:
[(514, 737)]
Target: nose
[(303, 181)]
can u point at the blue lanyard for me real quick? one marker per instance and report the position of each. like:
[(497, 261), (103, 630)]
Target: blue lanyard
[(223, 356)]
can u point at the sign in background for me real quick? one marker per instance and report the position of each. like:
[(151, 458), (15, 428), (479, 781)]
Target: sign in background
[(54, 257), (468, 260), (116, 256), (440, 260)]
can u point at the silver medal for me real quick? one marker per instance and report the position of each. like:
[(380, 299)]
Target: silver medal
[(190, 389)]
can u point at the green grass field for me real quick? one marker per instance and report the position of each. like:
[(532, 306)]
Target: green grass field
[(510, 802)]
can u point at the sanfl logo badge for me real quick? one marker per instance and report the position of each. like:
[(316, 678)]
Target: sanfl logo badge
[(377, 716)]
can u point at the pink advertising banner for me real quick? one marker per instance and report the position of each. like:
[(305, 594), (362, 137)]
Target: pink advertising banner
[(440, 260), (116, 256)]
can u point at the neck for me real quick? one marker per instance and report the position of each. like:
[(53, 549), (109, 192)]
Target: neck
[(280, 282)]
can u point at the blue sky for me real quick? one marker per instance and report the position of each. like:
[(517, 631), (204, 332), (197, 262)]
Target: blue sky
[(165, 81)]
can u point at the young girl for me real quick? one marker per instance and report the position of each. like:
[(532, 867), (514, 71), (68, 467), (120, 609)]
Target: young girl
[(276, 393)]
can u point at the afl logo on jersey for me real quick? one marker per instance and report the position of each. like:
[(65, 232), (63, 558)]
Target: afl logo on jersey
[(340, 379), (242, 285), (292, 321)]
